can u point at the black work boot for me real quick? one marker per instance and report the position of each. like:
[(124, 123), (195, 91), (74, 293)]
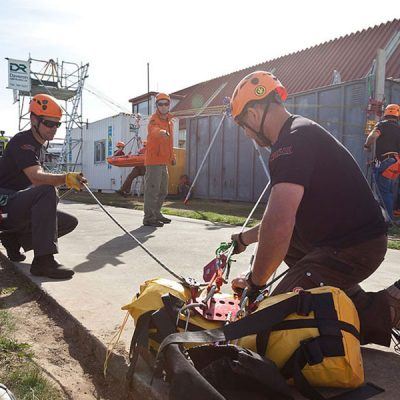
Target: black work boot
[(164, 220), (156, 224), (393, 296), (12, 246), (48, 266)]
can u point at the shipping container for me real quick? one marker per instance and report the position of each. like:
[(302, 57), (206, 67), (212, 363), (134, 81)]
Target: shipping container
[(233, 171), (99, 139)]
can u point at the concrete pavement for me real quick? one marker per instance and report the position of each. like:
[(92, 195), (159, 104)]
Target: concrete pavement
[(109, 268)]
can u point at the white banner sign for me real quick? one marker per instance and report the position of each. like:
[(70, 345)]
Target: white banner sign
[(19, 75)]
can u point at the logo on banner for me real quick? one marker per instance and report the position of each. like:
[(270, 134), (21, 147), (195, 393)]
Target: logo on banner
[(19, 75)]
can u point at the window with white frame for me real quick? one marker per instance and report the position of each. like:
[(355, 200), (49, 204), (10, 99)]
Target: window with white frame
[(99, 151), (143, 108)]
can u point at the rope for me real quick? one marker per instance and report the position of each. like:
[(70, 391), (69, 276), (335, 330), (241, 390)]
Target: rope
[(113, 343), (232, 246), (180, 278), (204, 159)]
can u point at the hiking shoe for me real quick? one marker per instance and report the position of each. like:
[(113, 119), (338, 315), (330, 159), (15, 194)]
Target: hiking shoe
[(49, 267), (393, 296), (15, 255), (156, 224), (12, 246), (164, 220)]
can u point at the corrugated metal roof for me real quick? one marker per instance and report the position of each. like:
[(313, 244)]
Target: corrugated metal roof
[(351, 55)]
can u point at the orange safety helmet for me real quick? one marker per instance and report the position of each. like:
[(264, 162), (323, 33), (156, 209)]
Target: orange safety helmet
[(120, 144), (255, 86), (392, 110), (44, 105), (162, 96)]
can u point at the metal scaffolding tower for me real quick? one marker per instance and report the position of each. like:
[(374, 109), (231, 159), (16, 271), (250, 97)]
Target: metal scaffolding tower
[(64, 81)]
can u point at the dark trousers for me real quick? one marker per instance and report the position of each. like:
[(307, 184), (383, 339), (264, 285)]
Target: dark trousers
[(136, 171), (33, 221), (344, 268)]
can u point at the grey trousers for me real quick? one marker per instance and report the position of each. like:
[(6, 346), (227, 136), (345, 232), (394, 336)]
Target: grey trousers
[(33, 221), (155, 191)]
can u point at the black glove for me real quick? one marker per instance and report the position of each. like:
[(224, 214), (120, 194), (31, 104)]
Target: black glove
[(253, 291)]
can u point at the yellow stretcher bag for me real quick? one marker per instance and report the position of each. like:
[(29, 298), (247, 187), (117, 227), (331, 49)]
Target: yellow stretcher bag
[(312, 336)]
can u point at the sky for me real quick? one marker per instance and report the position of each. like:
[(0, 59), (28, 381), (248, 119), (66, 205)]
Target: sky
[(185, 42)]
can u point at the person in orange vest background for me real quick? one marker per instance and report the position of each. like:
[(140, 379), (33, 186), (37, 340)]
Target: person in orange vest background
[(386, 135), (159, 154), (137, 171), (120, 149)]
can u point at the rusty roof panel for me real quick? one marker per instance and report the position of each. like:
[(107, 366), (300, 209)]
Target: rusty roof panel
[(351, 55)]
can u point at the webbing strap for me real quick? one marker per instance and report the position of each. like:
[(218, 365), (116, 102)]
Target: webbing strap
[(362, 393), (331, 328), (260, 321), (139, 340), (312, 352)]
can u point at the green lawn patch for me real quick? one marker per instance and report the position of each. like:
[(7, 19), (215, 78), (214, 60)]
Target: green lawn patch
[(17, 369), (226, 212)]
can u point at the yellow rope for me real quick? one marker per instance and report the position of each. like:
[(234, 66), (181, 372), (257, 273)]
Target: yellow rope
[(113, 342)]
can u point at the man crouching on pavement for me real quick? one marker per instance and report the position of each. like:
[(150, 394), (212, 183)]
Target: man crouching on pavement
[(321, 217), (29, 195)]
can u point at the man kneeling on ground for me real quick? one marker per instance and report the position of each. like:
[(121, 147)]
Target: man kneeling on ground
[(29, 195), (321, 217)]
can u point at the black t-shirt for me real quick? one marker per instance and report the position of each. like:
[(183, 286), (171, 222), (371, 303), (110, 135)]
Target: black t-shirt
[(338, 207), (22, 151), (389, 139)]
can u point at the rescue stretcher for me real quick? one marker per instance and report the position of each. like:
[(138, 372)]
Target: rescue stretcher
[(129, 160)]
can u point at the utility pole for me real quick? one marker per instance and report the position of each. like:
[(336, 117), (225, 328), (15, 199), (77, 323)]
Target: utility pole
[(148, 88), (380, 74)]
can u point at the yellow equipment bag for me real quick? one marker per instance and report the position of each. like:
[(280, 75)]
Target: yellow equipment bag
[(325, 326), (312, 336), (155, 295)]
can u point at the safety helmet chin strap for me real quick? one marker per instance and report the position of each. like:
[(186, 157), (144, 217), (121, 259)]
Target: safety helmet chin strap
[(37, 129), (260, 135)]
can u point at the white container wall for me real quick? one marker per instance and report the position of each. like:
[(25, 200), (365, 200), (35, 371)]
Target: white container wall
[(104, 134)]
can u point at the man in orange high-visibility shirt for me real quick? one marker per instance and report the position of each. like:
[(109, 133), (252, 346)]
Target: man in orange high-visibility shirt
[(159, 154)]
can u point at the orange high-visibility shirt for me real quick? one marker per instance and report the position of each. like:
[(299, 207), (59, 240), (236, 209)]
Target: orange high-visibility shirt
[(159, 148)]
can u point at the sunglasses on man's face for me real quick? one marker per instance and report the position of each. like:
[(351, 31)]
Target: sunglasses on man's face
[(50, 124), (161, 104)]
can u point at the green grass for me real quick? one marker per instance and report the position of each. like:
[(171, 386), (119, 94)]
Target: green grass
[(17, 369), (8, 290), (394, 244), (226, 212), (28, 383), (394, 238), (21, 350)]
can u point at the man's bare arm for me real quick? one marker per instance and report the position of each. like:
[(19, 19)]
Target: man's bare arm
[(276, 230), (38, 177), (371, 139)]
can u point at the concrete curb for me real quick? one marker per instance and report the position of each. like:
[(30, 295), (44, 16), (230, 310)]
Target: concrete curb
[(117, 365)]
